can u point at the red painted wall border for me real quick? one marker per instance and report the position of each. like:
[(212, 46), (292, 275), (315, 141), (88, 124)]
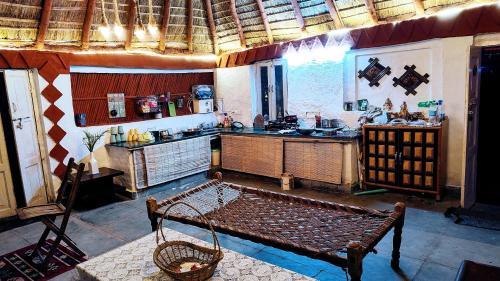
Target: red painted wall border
[(473, 21)]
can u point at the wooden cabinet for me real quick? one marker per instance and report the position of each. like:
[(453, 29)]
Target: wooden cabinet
[(271, 156), (405, 157), (254, 155), (319, 161)]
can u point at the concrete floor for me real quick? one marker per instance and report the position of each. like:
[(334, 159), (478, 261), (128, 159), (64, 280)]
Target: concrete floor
[(433, 246)]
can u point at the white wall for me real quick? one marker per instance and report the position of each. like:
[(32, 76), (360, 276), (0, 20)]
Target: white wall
[(236, 86), (73, 139)]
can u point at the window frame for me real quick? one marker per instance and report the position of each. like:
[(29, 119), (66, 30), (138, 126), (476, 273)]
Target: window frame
[(270, 64)]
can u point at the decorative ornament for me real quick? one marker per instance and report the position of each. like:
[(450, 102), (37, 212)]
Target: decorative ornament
[(410, 80), (388, 105), (374, 72), (404, 113)]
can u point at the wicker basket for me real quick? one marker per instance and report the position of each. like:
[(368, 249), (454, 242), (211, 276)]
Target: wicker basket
[(169, 255)]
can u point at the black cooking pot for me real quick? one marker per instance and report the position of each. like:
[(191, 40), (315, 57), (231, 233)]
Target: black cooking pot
[(291, 119)]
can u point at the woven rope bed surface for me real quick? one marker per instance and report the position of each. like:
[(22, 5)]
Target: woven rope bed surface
[(316, 228)]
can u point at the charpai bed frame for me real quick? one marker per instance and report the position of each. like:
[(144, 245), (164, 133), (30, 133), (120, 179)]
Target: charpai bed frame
[(336, 233)]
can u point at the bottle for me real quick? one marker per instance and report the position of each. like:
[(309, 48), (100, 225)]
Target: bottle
[(433, 117), (440, 110)]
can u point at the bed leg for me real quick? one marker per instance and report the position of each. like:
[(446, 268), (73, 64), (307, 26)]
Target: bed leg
[(152, 206), (354, 260), (398, 230)]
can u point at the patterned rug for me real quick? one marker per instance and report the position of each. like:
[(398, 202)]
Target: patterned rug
[(16, 266)]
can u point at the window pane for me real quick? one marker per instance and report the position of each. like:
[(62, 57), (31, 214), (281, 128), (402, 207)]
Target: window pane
[(278, 74), (264, 90)]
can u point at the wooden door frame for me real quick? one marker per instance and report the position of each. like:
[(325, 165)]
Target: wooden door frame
[(41, 140), (41, 133)]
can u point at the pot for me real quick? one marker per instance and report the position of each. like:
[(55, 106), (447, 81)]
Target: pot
[(291, 119)]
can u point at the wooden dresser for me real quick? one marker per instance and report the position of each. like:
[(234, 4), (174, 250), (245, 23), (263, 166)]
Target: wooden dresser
[(405, 157)]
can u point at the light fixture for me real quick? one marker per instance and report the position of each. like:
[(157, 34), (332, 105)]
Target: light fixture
[(104, 28), (140, 32), (117, 27), (152, 28)]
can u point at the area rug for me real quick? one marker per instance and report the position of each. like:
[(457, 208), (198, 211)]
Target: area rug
[(480, 219), (17, 265)]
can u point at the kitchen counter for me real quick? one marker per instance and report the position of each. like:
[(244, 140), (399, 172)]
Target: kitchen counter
[(340, 136)]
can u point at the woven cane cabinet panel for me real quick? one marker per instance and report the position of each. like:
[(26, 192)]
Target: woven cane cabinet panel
[(405, 157), (314, 160), (159, 163), (254, 155)]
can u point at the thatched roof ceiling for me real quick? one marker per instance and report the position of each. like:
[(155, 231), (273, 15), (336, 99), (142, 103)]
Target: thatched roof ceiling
[(189, 26)]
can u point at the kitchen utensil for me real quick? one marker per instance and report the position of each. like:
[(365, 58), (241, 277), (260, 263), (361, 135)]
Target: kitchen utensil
[(191, 132), (305, 132), (237, 125), (291, 119)]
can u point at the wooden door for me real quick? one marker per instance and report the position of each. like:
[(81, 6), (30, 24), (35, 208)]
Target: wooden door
[(418, 158), (470, 188), (7, 199), (25, 132), (381, 146)]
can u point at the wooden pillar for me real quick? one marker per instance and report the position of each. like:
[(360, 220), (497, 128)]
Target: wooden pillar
[(372, 12), (43, 26), (164, 25), (334, 13), (132, 16), (355, 260), (298, 14), (211, 25), (152, 206), (265, 21), (87, 23), (234, 14), (189, 4), (398, 230), (419, 7)]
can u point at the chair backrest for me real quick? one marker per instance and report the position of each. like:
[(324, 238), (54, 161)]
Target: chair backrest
[(73, 175), (75, 184)]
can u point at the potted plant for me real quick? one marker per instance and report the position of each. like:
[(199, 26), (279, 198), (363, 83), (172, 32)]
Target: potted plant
[(90, 140)]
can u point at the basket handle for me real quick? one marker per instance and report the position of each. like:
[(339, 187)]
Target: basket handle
[(165, 216)]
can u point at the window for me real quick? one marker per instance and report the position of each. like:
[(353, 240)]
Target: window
[(271, 89)]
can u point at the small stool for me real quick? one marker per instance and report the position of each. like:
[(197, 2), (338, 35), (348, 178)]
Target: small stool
[(287, 181)]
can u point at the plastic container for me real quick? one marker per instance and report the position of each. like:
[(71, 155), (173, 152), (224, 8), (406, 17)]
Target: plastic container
[(215, 157)]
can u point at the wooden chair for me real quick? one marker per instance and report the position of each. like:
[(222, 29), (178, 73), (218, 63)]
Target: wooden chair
[(49, 212)]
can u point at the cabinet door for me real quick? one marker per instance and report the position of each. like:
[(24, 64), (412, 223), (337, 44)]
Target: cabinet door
[(254, 155), (418, 158), (314, 161), (381, 146), (232, 152)]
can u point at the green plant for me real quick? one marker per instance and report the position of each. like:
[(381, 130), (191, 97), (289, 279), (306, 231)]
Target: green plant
[(91, 139)]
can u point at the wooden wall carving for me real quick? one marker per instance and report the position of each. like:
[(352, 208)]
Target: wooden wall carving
[(90, 92), (483, 19)]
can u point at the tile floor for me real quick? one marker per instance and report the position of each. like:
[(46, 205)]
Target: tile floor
[(433, 246)]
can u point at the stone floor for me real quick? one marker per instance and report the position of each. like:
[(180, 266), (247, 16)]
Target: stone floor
[(433, 246)]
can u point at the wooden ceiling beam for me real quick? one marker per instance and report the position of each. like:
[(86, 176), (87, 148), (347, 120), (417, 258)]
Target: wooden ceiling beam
[(234, 14), (164, 25), (265, 21), (132, 15), (298, 14), (189, 4), (211, 25), (372, 12), (334, 13), (419, 7), (87, 23), (43, 26)]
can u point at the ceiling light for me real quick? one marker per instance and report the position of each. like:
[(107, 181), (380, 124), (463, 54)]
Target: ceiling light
[(153, 30), (105, 31), (119, 31), (140, 33)]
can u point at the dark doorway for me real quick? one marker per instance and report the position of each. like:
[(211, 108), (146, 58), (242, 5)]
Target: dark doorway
[(488, 180)]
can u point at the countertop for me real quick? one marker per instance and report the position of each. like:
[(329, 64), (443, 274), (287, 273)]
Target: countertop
[(340, 136)]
